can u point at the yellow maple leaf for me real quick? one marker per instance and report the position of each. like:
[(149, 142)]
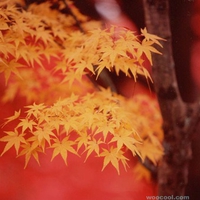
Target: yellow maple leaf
[(13, 117), (26, 124), (105, 129), (34, 55), (5, 49), (44, 36), (62, 148), (144, 72), (44, 134), (10, 67), (71, 77), (150, 151), (113, 52), (146, 48), (126, 138), (113, 156), (50, 52), (105, 63), (13, 138), (83, 139), (30, 149), (93, 146), (151, 37), (125, 65), (89, 118), (35, 109)]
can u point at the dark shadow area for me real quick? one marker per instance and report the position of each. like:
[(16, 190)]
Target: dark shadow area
[(182, 40)]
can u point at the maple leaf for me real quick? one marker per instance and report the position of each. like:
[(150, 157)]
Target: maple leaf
[(113, 52), (84, 65), (143, 71), (74, 38), (58, 32), (10, 67), (71, 76), (62, 148), (113, 156), (13, 138), (11, 118), (61, 65), (69, 102), (54, 122), (148, 150), (83, 139), (151, 37), (105, 129), (101, 65), (105, 93), (18, 40), (22, 52), (125, 138), (123, 159), (44, 35), (129, 40), (146, 48), (35, 109), (44, 133), (72, 123), (26, 124), (30, 149), (6, 48), (89, 117), (125, 65), (34, 55), (93, 146), (49, 53), (20, 29)]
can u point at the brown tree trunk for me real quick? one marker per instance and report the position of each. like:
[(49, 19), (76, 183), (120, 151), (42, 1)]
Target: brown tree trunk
[(179, 118)]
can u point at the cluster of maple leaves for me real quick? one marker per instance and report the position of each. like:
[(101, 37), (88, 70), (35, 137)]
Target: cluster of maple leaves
[(63, 116)]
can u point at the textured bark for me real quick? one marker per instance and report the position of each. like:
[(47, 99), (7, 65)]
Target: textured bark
[(179, 118)]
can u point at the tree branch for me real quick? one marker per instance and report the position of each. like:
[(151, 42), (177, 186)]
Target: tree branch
[(179, 118)]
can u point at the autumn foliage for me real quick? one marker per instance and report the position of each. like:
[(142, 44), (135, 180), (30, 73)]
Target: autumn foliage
[(60, 113)]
